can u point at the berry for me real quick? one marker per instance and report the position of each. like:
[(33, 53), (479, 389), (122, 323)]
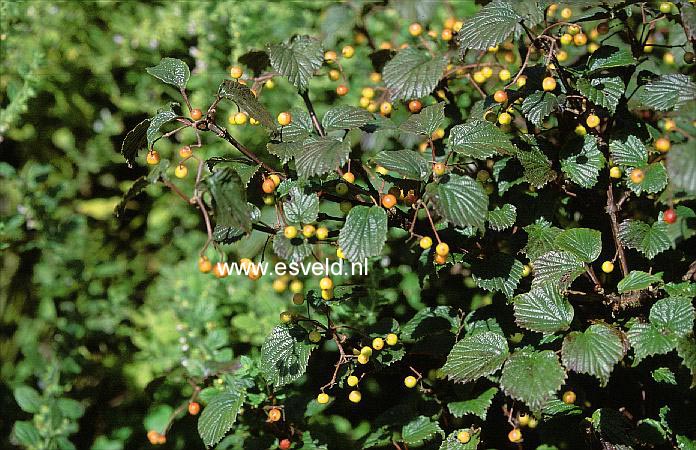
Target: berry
[(388, 201), (378, 343), (185, 152), (204, 264), (668, 58), (314, 336), (296, 286), (504, 118), (152, 436), (196, 114), (580, 130), (603, 28), (592, 121), (323, 398), (322, 233), (415, 106), (194, 408), (523, 419), (274, 415), (439, 133), (670, 216), (526, 270), (334, 75), (268, 200), (330, 56), (637, 176), (574, 29), (245, 263), (375, 77), (152, 157), (327, 294), (566, 13), (268, 186), (532, 423), (353, 381), (297, 298), (615, 172), (515, 435), (385, 108), (290, 232), (341, 90), (254, 272), (241, 118), (666, 7), (410, 381), (439, 169), (341, 188), (284, 118), (566, 39), (521, 81), (339, 253), (355, 396), (368, 92), (326, 283), (426, 242), (569, 397), (415, 29), (275, 178), (392, 339), (487, 72), (580, 39), (367, 351), (284, 444), (308, 231), (348, 52), (479, 78), (463, 437), (504, 75), (446, 34), (363, 359), (493, 49), (669, 124), (280, 285), (181, 171), (607, 267), (364, 102), (219, 271), (562, 55), (286, 317), (349, 177), (500, 96), (442, 249), (662, 145), (236, 72), (549, 84)]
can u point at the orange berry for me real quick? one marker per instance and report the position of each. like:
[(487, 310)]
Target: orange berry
[(415, 106), (274, 415), (219, 270), (185, 152), (153, 157), (284, 118), (500, 96), (446, 34), (663, 145), (439, 169), (637, 176), (415, 29), (268, 186), (204, 264), (236, 72), (388, 201), (385, 108), (349, 177), (342, 90), (515, 435), (194, 408), (196, 114)]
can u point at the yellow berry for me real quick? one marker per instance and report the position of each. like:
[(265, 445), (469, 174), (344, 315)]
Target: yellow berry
[(240, 118), (330, 56), (526, 270), (323, 398), (364, 102), (236, 72), (415, 29), (308, 231), (279, 285), (666, 7), (592, 121), (367, 351), (327, 294), (487, 72), (523, 419), (580, 130), (569, 397), (353, 381), (593, 47), (607, 267), (363, 359), (504, 75), (348, 51), (284, 118), (479, 78), (669, 124), (339, 253), (663, 145), (314, 336), (181, 171), (425, 243), (549, 84), (442, 249), (322, 233), (385, 108), (566, 13), (392, 339), (504, 118), (153, 157), (368, 92), (521, 81), (326, 283), (355, 396), (349, 177), (615, 172), (410, 381), (562, 55), (290, 232), (375, 77), (378, 343), (566, 39), (463, 437), (296, 286), (334, 75)]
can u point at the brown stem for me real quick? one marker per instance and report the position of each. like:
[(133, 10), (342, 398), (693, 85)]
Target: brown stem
[(224, 134), (312, 113), (612, 210), (593, 276)]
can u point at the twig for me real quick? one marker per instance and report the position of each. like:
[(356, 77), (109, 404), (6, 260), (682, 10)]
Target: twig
[(612, 210), (312, 113)]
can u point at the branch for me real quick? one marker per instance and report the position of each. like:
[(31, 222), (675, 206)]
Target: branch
[(612, 210), (312, 114), (224, 134)]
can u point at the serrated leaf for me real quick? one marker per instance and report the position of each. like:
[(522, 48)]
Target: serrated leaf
[(581, 160), (345, 117), (554, 407), (284, 354), (292, 250), (647, 239), (557, 267), (408, 164), (537, 167), (321, 155), (460, 200), (630, 152), (664, 375), (683, 289), (428, 321), (412, 73), (285, 151), (136, 188), (163, 116), (668, 92), (502, 217), (420, 430), (532, 377), (475, 356), (608, 57), (584, 243), (612, 427), (247, 102), (499, 272), (541, 238), (364, 233), (507, 173), (681, 164), (452, 443), (637, 280), (538, 106), (28, 399), (477, 406), (603, 91), (229, 199), (172, 71), (543, 309), (675, 314), (219, 415), (297, 59), (647, 340), (426, 121), (594, 351), (489, 27), (301, 208), (655, 179), (245, 168), (686, 349), (135, 140), (479, 139)]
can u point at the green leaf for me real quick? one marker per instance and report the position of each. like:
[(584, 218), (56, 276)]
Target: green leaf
[(229, 199), (26, 434), (28, 399), (604, 91), (163, 116), (70, 408), (171, 71), (301, 208), (541, 238), (285, 151), (426, 121), (284, 354), (219, 415), (460, 200), (630, 153), (594, 351), (649, 240), (228, 235), (637, 280), (247, 102), (502, 217), (135, 140), (673, 314), (364, 233), (556, 408), (581, 160), (646, 340), (477, 406), (245, 168), (557, 267), (489, 27), (584, 243), (408, 164), (538, 106), (479, 139), (452, 443), (345, 117), (664, 375), (420, 430), (681, 165), (413, 73), (668, 92), (683, 289), (612, 427), (532, 377), (475, 356), (537, 166), (136, 188), (655, 179), (543, 309), (293, 250), (686, 349), (428, 321), (297, 59), (500, 272), (608, 57), (320, 155)]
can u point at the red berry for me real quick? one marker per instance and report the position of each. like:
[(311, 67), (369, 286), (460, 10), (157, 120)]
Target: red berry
[(284, 444), (194, 408), (670, 216)]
